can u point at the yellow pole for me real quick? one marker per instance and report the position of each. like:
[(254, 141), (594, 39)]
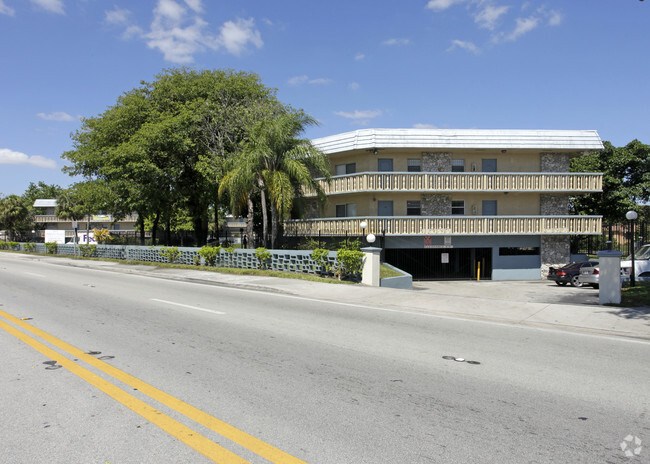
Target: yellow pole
[(478, 274)]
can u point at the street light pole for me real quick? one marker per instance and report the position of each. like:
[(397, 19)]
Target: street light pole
[(632, 216)]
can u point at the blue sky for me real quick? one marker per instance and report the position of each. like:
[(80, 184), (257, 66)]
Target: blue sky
[(485, 64)]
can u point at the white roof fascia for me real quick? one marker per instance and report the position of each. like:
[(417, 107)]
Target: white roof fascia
[(43, 203), (575, 140)]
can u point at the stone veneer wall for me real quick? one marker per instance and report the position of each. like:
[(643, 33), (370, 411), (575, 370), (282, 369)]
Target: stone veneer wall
[(554, 205), (435, 205), (554, 162), (555, 251), (436, 161)]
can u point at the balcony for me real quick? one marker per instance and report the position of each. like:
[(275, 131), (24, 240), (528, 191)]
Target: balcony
[(49, 218), (463, 182), (449, 225)]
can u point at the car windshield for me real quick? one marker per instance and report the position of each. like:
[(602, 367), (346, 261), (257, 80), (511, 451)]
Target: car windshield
[(641, 253)]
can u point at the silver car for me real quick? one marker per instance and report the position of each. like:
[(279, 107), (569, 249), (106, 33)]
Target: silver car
[(589, 276)]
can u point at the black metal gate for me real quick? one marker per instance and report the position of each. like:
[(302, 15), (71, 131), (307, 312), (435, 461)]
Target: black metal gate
[(442, 263)]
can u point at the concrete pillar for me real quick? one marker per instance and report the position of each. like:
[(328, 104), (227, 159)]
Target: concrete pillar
[(371, 266), (609, 280)]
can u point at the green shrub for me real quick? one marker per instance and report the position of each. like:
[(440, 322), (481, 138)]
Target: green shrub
[(349, 264), (210, 254), (171, 253), (263, 256), (29, 247), (51, 247), (87, 250), (320, 256), (9, 245)]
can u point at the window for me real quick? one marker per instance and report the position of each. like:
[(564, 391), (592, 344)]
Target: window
[(385, 165), (458, 207), (342, 169), (347, 210), (489, 208), (489, 165), (457, 165), (384, 208), (413, 208), (414, 165), (518, 251)]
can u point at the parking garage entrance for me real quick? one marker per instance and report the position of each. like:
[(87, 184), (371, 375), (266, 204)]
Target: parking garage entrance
[(442, 263)]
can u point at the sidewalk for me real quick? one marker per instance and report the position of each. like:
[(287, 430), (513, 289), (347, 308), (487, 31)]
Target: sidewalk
[(531, 303)]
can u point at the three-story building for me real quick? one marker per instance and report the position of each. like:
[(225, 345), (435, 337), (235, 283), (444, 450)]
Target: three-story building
[(458, 204)]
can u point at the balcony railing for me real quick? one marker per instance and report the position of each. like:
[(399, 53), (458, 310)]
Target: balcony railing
[(47, 218), (449, 225), (463, 182)]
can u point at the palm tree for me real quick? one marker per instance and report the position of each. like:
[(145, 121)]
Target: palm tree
[(278, 164)]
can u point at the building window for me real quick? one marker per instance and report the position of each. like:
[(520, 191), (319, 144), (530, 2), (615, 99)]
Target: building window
[(489, 165), (414, 165), (347, 210), (342, 169), (385, 165), (384, 208), (458, 207), (518, 251), (413, 208), (457, 165), (489, 208)]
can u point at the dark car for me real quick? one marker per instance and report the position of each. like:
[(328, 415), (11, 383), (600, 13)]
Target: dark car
[(569, 274)]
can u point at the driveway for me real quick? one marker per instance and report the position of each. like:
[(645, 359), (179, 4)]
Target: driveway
[(529, 291)]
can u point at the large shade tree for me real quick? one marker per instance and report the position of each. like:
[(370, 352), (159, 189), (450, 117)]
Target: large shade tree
[(279, 164), (162, 147), (626, 180)]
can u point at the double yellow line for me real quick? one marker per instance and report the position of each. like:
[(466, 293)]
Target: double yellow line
[(178, 430)]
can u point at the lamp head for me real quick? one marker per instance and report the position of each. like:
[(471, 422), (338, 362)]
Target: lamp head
[(363, 225), (631, 215), (371, 238)]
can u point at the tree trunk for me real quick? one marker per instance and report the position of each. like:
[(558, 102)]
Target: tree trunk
[(154, 231), (265, 222), (249, 222), (141, 224), (274, 224)]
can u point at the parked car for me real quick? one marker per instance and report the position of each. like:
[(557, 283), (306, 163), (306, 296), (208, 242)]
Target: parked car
[(591, 276), (641, 263), (569, 274)]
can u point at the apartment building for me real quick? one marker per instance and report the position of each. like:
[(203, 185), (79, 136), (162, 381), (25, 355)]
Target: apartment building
[(458, 204)]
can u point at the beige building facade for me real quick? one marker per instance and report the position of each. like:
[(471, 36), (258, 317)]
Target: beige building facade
[(463, 204)]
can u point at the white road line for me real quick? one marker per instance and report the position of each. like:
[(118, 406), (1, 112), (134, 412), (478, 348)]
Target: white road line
[(34, 274), (188, 306)]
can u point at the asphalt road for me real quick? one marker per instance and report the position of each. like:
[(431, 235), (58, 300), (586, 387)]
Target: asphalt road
[(316, 381)]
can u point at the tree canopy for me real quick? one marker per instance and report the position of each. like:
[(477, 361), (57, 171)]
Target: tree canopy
[(161, 149), (626, 180)]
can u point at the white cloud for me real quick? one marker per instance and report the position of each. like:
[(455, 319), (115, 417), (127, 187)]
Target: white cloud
[(489, 15), (555, 18), (359, 57), (469, 46), (361, 117), (179, 31), (236, 37), (524, 25), (395, 41), (424, 126), (354, 86), (53, 6), (5, 10), (14, 157), (440, 5), (304, 79), (56, 116)]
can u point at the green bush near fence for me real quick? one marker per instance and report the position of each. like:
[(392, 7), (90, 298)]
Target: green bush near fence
[(30, 247), (209, 254), (171, 253), (9, 245), (263, 257), (87, 250), (51, 247)]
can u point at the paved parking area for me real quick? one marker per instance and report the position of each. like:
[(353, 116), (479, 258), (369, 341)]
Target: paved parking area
[(530, 291)]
